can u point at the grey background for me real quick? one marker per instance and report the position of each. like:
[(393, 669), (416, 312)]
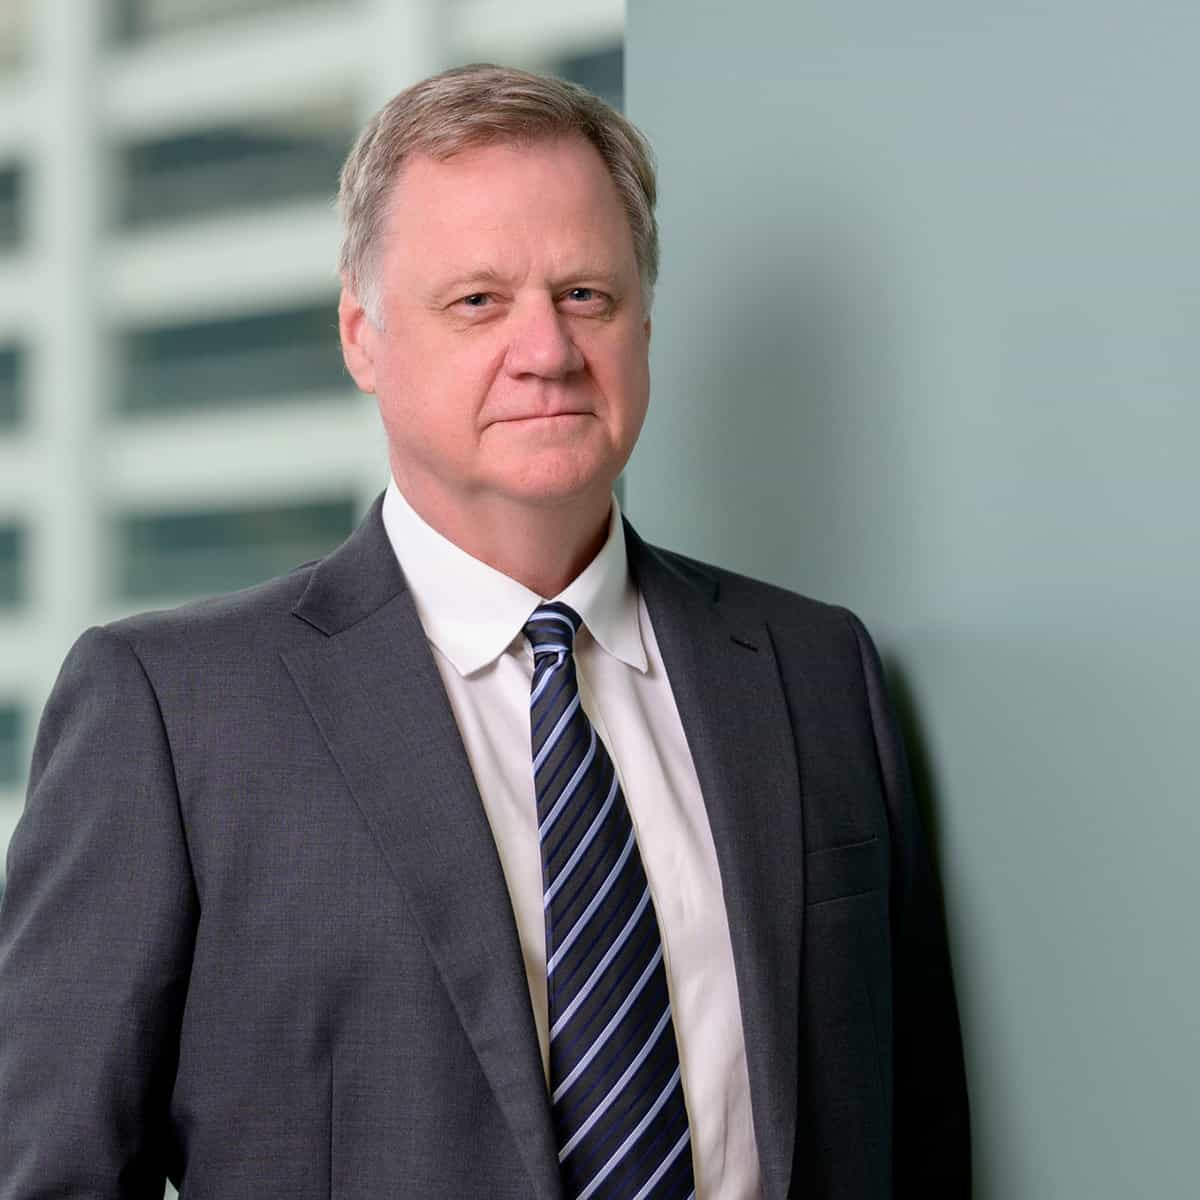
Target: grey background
[(926, 344)]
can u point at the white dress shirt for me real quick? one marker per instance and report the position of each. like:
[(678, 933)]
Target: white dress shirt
[(473, 617)]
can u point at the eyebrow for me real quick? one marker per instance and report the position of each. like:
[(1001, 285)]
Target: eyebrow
[(485, 276), (610, 279)]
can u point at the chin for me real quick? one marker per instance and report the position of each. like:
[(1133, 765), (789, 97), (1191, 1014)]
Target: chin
[(557, 480), (560, 497), (557, 492)]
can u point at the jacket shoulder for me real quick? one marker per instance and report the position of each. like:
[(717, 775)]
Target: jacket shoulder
[(740, 595), (312, 601), (253, 619)]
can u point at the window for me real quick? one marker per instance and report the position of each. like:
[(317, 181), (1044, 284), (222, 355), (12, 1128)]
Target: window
[(601, 71), (257, 163), (259, 357), (11, 206), (193, 553), (12, 378), (136, 20), (12, 566), (12, 745)]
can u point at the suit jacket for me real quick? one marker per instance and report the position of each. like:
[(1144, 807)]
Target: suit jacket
[(257, 939)]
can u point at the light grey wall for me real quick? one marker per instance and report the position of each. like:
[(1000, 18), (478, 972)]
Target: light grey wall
[(927, 343)]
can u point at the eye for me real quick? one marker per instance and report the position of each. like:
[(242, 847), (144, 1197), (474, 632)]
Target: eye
[(587, 301), (476, 300)]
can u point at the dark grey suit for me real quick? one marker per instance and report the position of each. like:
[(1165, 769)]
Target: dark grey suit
[(257, 938)]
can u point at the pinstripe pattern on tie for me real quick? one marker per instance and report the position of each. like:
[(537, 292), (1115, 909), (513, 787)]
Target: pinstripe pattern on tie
[(616, 1095)]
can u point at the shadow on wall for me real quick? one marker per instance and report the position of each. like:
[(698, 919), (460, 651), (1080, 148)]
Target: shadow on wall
[(920, 762), (797, 342)]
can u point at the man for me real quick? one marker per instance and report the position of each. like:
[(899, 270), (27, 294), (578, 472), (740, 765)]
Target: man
[(498, 854)]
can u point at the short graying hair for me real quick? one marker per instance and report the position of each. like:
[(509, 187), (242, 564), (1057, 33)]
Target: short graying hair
[(482, 105)]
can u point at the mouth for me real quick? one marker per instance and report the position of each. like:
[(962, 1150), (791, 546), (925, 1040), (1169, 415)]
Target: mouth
[(527, 418)]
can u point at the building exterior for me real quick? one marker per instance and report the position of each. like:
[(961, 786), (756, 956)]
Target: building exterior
[(174, 416)]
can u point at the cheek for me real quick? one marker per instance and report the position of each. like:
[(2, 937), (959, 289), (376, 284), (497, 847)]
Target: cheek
[(431, 392), (628, 387), (418, 371)]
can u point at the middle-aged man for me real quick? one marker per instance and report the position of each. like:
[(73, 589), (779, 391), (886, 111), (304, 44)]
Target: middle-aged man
[(497, 854)]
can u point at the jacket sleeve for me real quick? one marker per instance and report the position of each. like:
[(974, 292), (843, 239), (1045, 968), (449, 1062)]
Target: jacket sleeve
[(96, 934), (931, 1132)]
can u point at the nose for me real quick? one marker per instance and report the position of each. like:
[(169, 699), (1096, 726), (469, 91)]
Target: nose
[(541, 342)]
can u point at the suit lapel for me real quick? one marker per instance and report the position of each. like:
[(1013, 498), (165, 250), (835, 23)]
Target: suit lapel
[(375, 693), (734, 714)]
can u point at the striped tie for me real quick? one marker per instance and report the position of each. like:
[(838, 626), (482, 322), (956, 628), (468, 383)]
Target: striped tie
[(616, 1096)]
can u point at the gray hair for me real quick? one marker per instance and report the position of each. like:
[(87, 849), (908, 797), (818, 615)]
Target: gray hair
[(482, 105)]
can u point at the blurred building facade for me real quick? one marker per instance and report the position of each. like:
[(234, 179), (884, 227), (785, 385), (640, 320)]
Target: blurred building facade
[(174, 416)]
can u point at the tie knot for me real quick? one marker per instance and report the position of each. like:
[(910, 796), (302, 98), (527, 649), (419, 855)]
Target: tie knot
[(551, 629)]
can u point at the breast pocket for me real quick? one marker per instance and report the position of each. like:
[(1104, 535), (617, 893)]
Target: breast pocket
[(840, 872)]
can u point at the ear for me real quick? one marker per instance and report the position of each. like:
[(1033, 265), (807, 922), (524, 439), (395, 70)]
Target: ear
[(358, 340)]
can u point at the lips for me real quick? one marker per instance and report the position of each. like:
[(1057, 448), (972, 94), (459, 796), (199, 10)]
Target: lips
[(547, 416)]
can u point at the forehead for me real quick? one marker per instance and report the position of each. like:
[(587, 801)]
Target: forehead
[(554, 196)]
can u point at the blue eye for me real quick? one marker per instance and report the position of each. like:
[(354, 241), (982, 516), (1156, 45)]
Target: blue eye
[(582, 294), (475, 300)]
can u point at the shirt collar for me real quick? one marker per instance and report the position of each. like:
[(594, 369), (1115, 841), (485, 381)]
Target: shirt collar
[(472, 613)]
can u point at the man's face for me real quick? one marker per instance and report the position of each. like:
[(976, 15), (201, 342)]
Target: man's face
[(512, 360)]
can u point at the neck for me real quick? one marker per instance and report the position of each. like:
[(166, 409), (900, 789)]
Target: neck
[(543, 547)]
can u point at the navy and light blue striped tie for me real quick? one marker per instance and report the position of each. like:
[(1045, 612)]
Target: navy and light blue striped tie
[(616, 1096)]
